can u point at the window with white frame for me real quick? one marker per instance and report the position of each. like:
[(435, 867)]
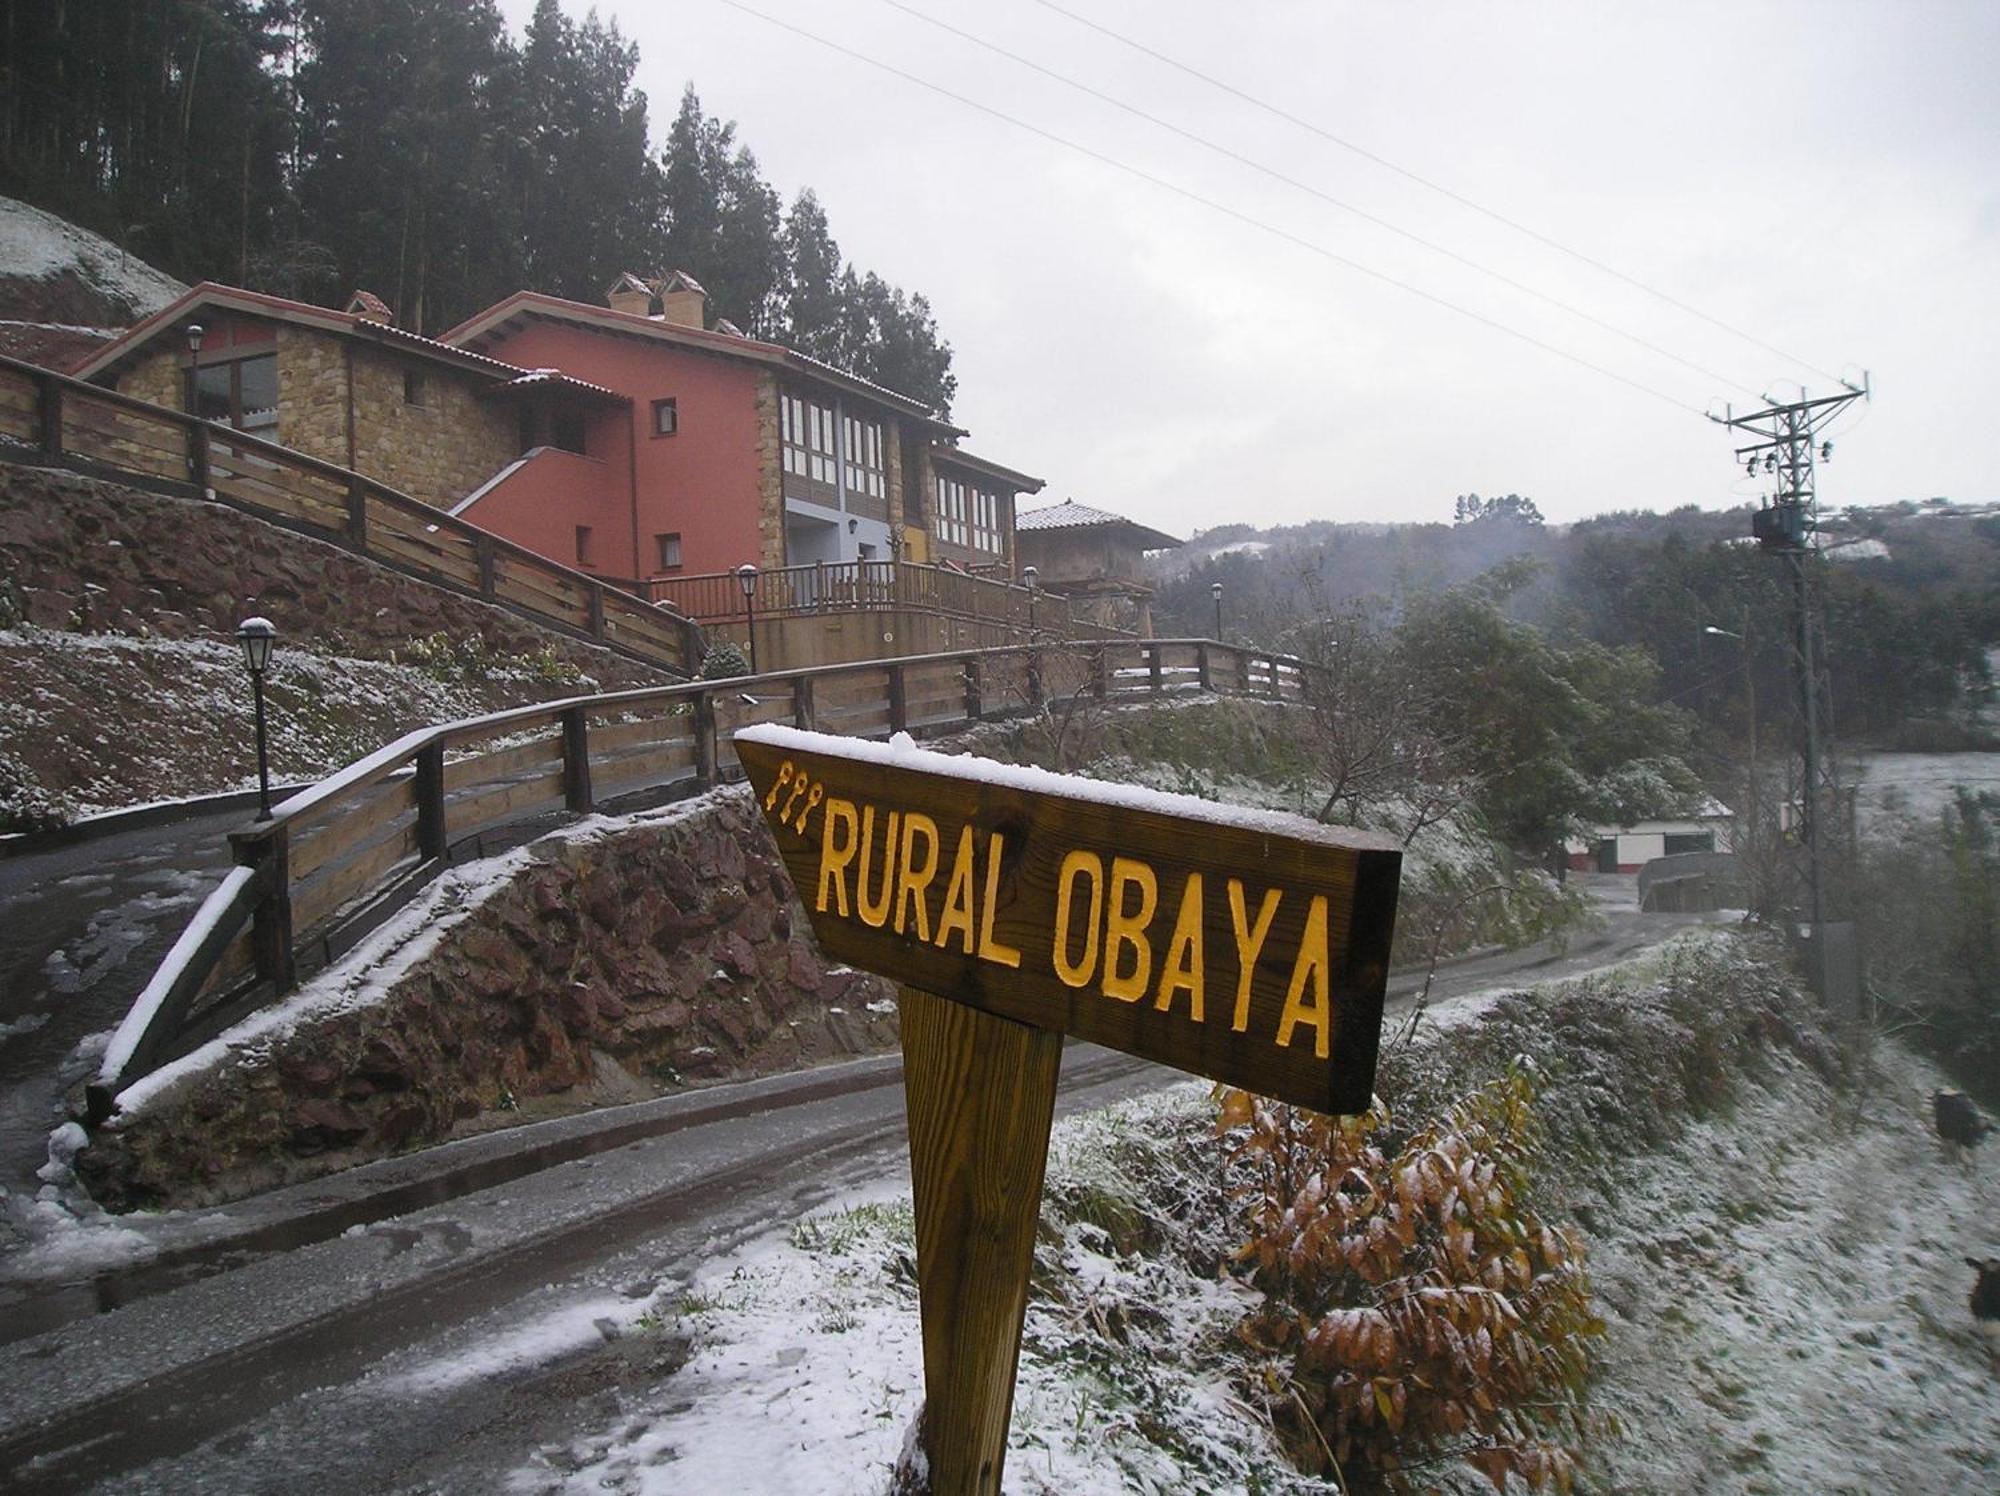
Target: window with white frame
[(863, 450), (954, 524), (806, 428), (969, 516)]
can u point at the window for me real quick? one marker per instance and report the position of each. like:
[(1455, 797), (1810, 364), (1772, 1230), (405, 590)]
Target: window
[(670, 550), (969, 516), (807, 436), (242, 392), (583, 545), (862, 449), (666, 418), (414, 390), (953, 528)]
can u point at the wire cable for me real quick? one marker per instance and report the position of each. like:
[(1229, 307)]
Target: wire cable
[(1306, 187), (1215, 206), (1423, 181)]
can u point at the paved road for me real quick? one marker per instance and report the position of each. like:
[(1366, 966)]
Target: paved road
[(264, 1370), (81, 929)]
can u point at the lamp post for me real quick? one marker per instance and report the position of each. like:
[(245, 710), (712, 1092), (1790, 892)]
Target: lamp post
[(1032, 578), (1215, 591), (746, 578), (257, 636), (1750, 710), (194, 336)]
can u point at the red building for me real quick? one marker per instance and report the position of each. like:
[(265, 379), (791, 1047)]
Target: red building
[(628, 439)]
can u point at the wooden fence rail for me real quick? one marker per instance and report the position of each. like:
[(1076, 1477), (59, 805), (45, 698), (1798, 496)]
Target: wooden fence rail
[(864, 586), (69, 423), (337, 858)]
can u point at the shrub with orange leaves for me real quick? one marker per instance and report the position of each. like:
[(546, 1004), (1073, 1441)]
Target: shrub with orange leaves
[(1417, 1310)]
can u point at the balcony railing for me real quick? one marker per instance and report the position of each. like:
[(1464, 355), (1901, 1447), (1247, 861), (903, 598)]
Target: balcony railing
[(876, 586)]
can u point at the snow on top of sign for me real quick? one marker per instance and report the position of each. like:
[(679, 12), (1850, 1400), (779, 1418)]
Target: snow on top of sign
[(902, 752)]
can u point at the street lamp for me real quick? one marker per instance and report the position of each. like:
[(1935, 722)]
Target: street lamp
[(746, 578), (1215, 591), (1032, 578), (194, 336), (1750, 708), (257, 636)]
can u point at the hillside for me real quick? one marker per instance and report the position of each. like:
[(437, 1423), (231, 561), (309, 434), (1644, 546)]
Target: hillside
[(118, 609), (64, 290)]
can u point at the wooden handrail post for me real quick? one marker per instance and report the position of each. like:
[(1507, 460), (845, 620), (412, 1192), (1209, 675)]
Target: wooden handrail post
[(489, 561), (576, 761), (1276, 690), (975, 705), (1204, 674), (428, 791), (198, 458), (1153, 667), (49, 387), (899, 713), (704, 740), (1100, 671), (357, 513), (1243, 671), (597, 610), (271, 921), (804, 716)]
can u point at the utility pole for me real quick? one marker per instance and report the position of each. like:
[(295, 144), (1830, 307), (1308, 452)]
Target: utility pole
[(1785, 445)]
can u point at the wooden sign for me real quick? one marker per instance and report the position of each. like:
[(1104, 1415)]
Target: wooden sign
[(1245, 946), (1018, 906)]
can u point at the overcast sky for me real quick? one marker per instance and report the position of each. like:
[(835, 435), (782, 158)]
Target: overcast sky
[(1822, 175)]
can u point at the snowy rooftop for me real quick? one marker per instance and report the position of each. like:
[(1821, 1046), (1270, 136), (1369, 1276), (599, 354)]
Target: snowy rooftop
[(1070, 515)]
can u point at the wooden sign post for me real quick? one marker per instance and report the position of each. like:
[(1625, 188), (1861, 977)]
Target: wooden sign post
[(1017, 906)]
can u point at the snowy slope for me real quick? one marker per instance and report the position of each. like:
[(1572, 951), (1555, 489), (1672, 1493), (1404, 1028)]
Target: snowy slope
[(53, 271)]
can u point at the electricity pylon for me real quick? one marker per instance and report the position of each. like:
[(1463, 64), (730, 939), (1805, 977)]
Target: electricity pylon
[(1787, 441)]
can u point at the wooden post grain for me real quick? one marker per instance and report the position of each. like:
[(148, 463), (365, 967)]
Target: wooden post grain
[(981, 1094)]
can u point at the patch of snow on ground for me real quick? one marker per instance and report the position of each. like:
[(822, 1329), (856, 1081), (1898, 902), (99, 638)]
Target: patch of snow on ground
[(1914, 788), (1788, 1306), (34, 244)]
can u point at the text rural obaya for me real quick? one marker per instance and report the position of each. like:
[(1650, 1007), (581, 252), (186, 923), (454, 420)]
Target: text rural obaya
[(1115, 929)]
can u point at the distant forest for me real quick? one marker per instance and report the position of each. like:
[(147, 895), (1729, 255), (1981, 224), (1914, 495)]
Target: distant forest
[(1909, 618), (415, 148)]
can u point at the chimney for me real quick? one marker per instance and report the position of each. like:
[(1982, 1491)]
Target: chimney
[(630, 294), (369, 307), (684, 301)]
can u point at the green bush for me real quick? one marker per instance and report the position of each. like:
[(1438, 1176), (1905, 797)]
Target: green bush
[(722, 661)]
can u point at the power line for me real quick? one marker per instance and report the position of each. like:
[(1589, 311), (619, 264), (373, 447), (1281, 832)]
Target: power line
[(1423, 181), (1293, 182), (1213, 205)]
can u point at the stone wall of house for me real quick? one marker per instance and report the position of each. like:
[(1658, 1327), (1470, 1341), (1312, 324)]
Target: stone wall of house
[(664, 954), (156, 377), (438, 451), (892, 441), (770, 475)]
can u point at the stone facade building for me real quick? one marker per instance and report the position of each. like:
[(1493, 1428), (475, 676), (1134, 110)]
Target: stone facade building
[(630, 439), (1094, 557)]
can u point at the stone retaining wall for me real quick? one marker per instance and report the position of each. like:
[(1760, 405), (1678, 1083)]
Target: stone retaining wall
[(667, 953)]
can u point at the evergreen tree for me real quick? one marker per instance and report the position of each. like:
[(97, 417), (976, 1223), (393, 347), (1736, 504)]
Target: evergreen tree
[(722, 219), (814, 322)]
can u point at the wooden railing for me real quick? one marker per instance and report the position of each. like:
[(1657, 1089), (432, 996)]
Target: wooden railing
[(68, 423), (862, 586), (336, 859)]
